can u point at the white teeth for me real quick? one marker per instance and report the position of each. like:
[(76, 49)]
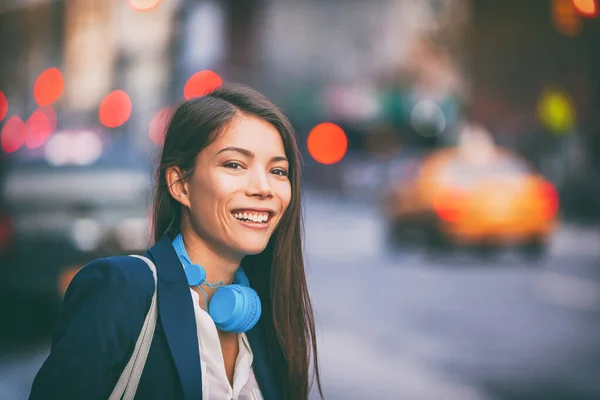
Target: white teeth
[(254, 217)]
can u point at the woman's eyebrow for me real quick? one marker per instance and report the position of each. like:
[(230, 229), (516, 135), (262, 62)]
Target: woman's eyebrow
[(249, 153), (245, 152)]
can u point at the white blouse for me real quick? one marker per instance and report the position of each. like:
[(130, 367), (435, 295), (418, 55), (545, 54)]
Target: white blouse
[(215, 384)]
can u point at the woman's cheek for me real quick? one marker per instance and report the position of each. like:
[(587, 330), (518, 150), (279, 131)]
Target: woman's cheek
[(226, 183), (286, 193)]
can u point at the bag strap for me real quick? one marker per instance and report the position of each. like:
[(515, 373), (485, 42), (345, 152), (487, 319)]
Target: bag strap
[(130, 378)]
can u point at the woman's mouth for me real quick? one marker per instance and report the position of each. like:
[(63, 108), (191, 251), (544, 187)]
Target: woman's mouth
[(253, 219)]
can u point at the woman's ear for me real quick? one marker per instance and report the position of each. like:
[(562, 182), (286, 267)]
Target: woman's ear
[(178, 185)]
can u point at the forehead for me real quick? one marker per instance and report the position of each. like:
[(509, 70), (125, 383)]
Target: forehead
[(251, 133)]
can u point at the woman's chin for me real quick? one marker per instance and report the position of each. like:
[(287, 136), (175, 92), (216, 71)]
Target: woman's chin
[(251, 251), (249, 248)]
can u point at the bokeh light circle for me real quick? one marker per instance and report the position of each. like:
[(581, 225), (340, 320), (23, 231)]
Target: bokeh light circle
[(565, 17), (587, 8), (428, 119), (115, 109), (48, 87), (50, 113), (327, 143), (39, 127), (201, 83), (556, 111), (3, 105), (13, 134), (144, 5)]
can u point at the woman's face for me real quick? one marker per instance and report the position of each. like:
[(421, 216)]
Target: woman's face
[(240, 187)]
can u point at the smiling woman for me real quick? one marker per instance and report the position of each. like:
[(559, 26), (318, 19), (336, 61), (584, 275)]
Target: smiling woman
[(243, 171), (234, 311)]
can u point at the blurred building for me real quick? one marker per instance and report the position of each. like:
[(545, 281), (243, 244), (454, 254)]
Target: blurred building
[(101, 45)]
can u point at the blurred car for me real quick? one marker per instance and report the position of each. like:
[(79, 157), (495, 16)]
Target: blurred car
[(482, 196), (80, 196)]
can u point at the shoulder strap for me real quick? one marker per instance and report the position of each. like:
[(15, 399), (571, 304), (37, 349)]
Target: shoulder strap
[(130, 378)]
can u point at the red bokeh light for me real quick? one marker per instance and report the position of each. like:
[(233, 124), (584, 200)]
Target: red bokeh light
[(48, 87), (550, 200), (327, 143), (201, 83), (13, 134), (3, 105), (115, 109), (144, 5), (49, 112), (158, 125), (39, 127)]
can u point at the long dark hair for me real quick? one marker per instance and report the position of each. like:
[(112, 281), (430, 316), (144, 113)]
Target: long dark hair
[(277, 273)]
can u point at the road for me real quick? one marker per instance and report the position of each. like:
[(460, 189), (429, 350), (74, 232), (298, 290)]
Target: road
[(407, 325)]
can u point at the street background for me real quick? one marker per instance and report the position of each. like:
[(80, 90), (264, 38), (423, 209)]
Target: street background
[(377, 91)]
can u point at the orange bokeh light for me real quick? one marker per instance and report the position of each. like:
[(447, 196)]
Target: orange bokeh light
[(3, 105), (158, 125), (201, 83), (587, 8), (115, 109), (144, 5), (327, 143), (565, 18), (13, 134), (39, 127), (48, 87)]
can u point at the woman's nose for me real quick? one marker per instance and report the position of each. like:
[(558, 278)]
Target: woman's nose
[(259, 185)]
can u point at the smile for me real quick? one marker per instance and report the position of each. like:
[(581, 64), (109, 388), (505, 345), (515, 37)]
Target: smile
[(253, 219)]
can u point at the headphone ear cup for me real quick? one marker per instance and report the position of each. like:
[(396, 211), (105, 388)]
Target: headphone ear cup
[(251, 311), (225, 307), (235, 308)]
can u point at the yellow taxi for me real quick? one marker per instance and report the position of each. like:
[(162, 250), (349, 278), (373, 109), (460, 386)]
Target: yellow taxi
[(474, 194)]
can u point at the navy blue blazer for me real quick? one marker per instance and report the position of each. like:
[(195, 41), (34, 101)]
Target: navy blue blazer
[(103, 312)]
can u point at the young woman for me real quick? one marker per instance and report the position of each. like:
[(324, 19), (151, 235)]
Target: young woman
[(235, 319)]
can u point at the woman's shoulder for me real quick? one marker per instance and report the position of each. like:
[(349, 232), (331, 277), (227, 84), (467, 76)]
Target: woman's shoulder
[(115, 273), (103, 312)]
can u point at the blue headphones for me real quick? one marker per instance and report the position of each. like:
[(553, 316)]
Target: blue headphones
[(233, 308)]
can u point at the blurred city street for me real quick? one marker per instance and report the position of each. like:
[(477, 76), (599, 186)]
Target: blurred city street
[(472, 126), (405, 324), (417, 327)]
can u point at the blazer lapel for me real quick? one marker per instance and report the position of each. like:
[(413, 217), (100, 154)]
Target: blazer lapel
[(262, 365), (176, 314)]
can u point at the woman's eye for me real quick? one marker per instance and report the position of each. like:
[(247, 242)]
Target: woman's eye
[(232, 165), (280, 172)]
